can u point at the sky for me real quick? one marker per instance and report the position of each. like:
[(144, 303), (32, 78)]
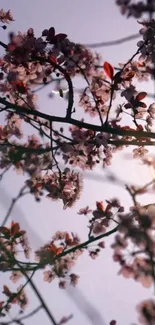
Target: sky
[(115, 298)]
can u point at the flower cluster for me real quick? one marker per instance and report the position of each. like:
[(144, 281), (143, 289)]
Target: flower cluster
[(134, 69), (100, 222), (57, 266), (130, 8), (136, 238), (86, 150), (66, 185), (20, 156), (103, 216), (94, 98), (76, 58), (23, 46), (11, 239), (19, 298), (146, 47), (6, 16)]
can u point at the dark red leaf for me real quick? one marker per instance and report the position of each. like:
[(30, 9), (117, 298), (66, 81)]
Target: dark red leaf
[(140, 127), (108, 69), (53, 59), (14, 229), (61, 37), (128, 105), (20, 233), (98, 214), (51, 34), (108, 207), (100, 206), (4, 230), (52, 31), (130, 75), (141, 96), (38, 185), (113, 322), (6, 291), (59, 250), (141, 104)]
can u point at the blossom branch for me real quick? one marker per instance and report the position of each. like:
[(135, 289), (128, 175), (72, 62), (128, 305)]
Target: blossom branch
[(20, 109), (86, 243), (30, 282), (107, 129)]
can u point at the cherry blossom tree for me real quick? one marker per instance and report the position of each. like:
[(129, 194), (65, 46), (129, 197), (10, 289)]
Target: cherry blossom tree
[(29, 64)]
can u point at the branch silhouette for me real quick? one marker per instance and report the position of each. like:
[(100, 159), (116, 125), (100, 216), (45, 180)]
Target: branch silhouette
[(113, 42)]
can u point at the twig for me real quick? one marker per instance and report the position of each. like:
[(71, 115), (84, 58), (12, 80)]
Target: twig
[(4, 171), (3, 45), (75, 248), (18, 320), (52, 319), (21, 193), (86, 243), (113, 42), (32, 313), (68, 79), (88, 83)]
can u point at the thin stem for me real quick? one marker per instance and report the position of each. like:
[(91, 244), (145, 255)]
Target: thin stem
[(21, 193), (113, 42)]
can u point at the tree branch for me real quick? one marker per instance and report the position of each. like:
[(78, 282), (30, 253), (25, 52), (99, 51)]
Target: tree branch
[(80, 124), (86, 243), (113, 42)]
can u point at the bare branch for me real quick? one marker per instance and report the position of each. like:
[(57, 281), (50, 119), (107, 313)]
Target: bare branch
[(113, 42), (21, 193)]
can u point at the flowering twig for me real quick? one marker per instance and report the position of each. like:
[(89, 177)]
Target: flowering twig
[(86, 243), (29, 281)]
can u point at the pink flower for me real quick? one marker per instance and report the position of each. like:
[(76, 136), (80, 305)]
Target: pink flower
[(15, 276), (140, 152), (98, 228), (49, 276), (74, 279), (62, 284), (6, 16), (84, 211)]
